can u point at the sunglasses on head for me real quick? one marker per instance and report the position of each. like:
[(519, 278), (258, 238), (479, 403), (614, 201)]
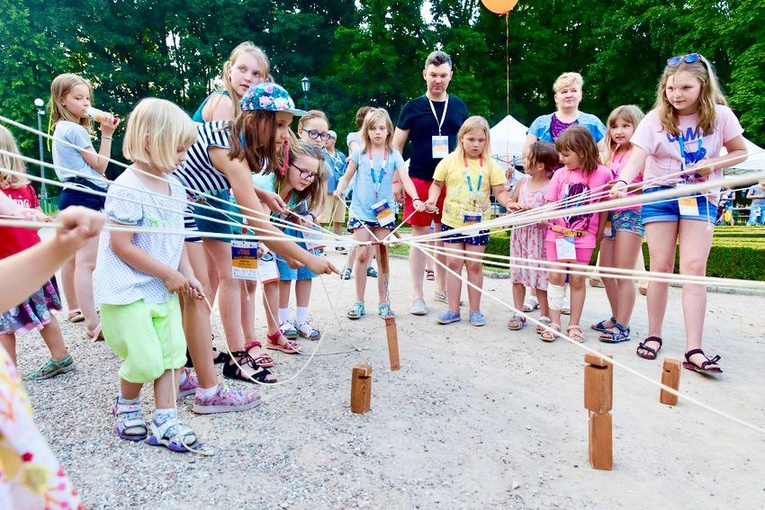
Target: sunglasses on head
[(688, 59)]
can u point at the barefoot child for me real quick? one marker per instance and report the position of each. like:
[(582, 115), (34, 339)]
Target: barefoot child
[(371, 218), (528, 242), (470, 175), (35, 311), (623, 233), (139, 274), (572, 237)]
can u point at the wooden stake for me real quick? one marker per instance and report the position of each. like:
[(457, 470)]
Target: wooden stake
[(670, 376), (598, 399), (391, 330), (361, 388)]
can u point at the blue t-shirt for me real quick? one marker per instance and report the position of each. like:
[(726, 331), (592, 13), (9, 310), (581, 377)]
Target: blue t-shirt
[(197, 117), (373, 183), (337, 165), (541, 127), (68, 160)]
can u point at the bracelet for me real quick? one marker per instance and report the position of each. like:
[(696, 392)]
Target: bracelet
[(105, 137), (396, 182), (622, 180), (416, 200)]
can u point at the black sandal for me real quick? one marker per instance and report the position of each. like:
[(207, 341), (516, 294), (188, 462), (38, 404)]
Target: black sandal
[(222, 357), (651, 353), (231, 371), (690, 365)]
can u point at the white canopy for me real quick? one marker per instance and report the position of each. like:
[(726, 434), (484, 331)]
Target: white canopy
[(755, 162), (507, 140)]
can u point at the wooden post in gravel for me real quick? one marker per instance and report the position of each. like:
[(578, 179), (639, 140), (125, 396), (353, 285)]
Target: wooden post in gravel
[(670, 376), (390, 322), (598, 399), (361, 388)]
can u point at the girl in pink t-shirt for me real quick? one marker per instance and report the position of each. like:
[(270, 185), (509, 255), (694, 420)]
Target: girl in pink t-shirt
[(680, 140), (573, 237), (623, 232)]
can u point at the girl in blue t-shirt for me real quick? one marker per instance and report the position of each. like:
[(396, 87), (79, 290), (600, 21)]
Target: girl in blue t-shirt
[(371, 215)]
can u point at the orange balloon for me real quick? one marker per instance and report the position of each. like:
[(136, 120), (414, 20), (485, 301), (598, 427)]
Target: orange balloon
[(500, 6)]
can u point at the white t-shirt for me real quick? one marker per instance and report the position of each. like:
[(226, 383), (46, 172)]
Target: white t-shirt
[(68, 160)]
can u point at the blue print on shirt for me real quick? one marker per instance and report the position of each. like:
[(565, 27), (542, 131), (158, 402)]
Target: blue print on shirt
[(690, 157)]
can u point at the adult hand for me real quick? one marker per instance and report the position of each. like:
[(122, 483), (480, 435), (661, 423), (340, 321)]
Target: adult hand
[(77, 225), (321, 265), (273, 201)]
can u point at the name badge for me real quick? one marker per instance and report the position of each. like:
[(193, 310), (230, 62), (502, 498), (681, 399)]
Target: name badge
[(440, 146), (313, 240), (383, 213), (470, 219), (268, 272), (565, 248), (244, 260), (608, 230), (689, 206)]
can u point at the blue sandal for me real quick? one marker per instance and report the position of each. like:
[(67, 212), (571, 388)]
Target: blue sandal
[(355, 311), (386, 311), (601, 326), (622, 334)]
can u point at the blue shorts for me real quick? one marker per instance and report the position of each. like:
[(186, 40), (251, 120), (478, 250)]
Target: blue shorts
[(482, 239), (71, 197), (286, 273), (669, 209), (628, 220), (204, 216)]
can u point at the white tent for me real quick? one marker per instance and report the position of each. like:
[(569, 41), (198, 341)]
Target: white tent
[(507, 140), (754, 163)]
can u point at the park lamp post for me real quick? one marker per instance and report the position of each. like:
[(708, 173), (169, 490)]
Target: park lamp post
[(306, 84), (39, 103)]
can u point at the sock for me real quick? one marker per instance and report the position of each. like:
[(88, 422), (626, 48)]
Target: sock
[(183, 377), (207, 392), (128, 401), (284, 315), (301, 314), (162, 415)]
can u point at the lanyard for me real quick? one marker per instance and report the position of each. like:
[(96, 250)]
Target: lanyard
[(443, 115), (681, 143), (477, 191), (378, 182)]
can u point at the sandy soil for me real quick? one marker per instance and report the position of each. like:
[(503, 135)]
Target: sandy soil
[(476, 418)]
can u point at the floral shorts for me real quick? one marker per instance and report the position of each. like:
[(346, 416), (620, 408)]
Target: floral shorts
[(628, 220), (355, 223)]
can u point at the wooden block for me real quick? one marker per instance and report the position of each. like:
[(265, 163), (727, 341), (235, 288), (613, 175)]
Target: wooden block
[(598, 388), (361, 388), (594, 359), (601, 442), (670, 376), (392, 334)]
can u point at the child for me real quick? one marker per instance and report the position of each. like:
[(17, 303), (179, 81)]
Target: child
[(296, 183), (312, 129), (528, 242), (623, 232), (34, 312), (467, 203), (80, 165), (26, 456), (371, 216), (573, 237), (679, 139), (139, 274)]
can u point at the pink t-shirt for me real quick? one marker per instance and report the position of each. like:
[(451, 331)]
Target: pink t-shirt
[(567, 183), (618, 162), (665, 151)]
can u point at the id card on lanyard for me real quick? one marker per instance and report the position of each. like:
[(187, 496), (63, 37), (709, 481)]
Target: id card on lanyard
[(244, 259), (565, 248), (383, 213), (439, 144), (268, 271)]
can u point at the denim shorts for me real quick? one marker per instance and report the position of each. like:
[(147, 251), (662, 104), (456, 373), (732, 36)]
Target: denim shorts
[(481, 239), (669, 209), (628, 220), (286, 273), (204, 216)]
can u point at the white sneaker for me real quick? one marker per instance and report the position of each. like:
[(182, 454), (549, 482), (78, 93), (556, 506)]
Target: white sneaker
[(419, 307)]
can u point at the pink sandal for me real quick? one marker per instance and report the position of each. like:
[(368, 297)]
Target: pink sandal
[(288, 346), (262, 359)]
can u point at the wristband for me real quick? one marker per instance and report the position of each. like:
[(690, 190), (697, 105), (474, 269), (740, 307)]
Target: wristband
[(396, 182), (105, 137), (622, 180), (416, 200)]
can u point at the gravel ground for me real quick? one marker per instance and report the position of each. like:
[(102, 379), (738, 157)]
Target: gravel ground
[(476, 418)]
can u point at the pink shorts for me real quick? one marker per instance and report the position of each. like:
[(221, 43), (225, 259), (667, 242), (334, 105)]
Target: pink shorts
[(583, 255)]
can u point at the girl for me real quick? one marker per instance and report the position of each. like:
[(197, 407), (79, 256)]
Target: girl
[(223, 157), (371, 216), (139, 274), (573, 237), (467, 202), (313, 129), (34, 312), (529, 242), (623, 233), (688, 126), (20, 439), (298, 181), (77, 163)]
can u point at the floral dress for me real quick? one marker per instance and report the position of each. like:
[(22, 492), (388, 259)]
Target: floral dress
[(528, 242), (30, 475)]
